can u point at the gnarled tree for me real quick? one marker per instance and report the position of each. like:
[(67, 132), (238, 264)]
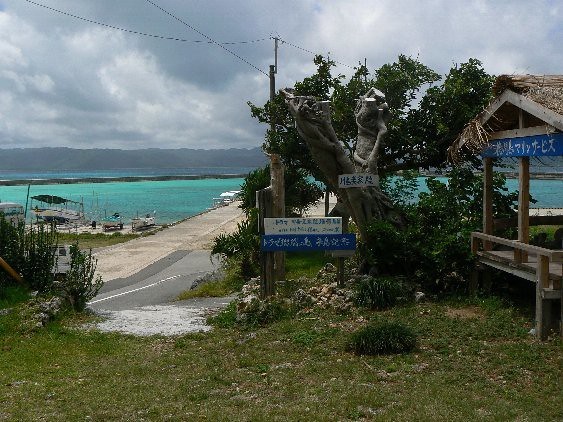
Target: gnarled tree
[(426, 118), (313, 123)]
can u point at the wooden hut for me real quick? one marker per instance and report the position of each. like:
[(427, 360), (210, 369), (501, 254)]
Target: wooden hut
[(524, 120)]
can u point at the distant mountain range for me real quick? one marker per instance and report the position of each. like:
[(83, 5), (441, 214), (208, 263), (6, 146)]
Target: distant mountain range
[(47, 159)]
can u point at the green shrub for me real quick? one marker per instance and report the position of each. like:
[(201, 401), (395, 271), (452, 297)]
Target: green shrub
[(383, 338), (80, 283), (30, 252), (433, 250), (378, 293), (241, 249), (263, 312)]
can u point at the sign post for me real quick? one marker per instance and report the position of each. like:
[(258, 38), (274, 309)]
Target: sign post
[(308, 234)]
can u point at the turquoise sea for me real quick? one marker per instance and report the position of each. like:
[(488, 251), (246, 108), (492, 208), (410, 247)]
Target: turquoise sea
[(171, 200), (174, 200)]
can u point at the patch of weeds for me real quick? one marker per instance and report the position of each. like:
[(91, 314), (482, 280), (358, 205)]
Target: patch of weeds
[(263, 312), (379, 293), (261, 368), (226, 318), (217, 288), (383, 338), (305, 338)]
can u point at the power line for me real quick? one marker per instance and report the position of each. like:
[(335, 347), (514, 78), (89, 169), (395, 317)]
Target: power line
[(311, 52), (169, 38), (163, 37), (206, 36)]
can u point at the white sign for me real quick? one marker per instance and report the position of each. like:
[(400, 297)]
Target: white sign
[(357, 180), (325, 225)]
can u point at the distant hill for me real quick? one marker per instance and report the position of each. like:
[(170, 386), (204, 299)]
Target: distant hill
[(46, 159)]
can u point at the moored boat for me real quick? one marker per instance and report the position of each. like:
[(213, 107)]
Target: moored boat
[(141, 223), (58, 210), (112, 222)]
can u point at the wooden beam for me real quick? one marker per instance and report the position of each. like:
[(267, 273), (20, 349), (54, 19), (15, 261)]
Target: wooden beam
[(553, 255), (524, 202), (548, 116), (277, 182), (543, 308), (487, 199), (267, 276), (534, 220), (520, 133), (13, 273)]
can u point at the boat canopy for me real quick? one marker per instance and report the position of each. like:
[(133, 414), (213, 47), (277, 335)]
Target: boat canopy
[(52, 199)]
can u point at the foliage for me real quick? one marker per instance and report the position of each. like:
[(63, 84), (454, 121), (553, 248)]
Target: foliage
[(80, 283), (383, 338), (300, 192), (31, 253), (400, 188), (39, 250), (378, 293), (434, 249), (241, 248), (427, 116)]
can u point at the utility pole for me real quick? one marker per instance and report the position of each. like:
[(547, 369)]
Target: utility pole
[(277, 181)]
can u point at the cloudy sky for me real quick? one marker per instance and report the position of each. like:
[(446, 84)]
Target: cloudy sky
[(69, 82)]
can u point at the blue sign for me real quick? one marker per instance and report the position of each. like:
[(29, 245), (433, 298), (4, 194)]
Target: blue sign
[(308, 242), (548, 145)]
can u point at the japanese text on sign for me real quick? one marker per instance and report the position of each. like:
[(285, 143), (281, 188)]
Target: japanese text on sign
[(358, 180), (528, 146), (330, 225), (305, 242)]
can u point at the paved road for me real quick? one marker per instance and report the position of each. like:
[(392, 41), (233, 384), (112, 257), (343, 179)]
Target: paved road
[(159, 283)]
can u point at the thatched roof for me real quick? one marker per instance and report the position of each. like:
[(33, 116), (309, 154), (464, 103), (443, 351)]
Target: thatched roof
[(544, 90)]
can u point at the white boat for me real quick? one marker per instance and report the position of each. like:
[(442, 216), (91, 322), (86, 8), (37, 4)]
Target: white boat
[(141, 223), (226, 198), (12, 212), (58, 210)]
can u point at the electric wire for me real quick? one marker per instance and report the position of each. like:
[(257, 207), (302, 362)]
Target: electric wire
[(169, 38), (206, 36), (145, 34), (311, 52)]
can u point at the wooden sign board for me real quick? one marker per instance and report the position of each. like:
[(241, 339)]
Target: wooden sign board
[(357, 180), (548, 145), (290, 226), (308, 242)]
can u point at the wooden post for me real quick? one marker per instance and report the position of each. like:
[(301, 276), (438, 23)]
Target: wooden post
[(543, 306), (13, 273), (523, 205), (277, 183), (327, 201), (487, 200), (267, 279)]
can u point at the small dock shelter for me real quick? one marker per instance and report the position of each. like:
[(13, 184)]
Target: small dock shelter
[(524, 121)]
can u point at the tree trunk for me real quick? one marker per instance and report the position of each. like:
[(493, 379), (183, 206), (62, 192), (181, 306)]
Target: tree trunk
[(314, 125)]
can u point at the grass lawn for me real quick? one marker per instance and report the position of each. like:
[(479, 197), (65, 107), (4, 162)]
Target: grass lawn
[(474, 361), (95, 240)]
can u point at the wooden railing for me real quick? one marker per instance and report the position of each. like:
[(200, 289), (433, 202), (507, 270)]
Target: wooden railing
[(520, 249), (544, 291)]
